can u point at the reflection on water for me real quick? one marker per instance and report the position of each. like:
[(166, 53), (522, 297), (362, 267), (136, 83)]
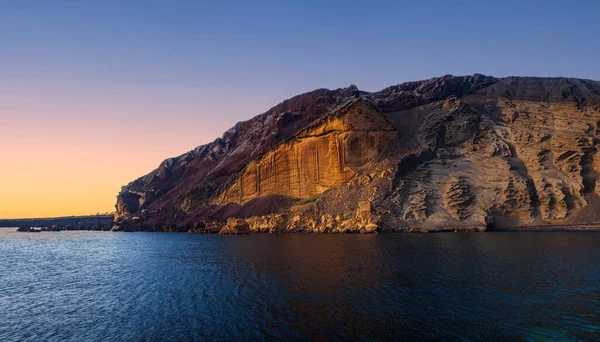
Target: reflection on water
[(153, 286)]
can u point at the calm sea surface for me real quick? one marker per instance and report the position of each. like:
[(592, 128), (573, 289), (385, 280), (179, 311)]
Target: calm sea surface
[(103, 286)]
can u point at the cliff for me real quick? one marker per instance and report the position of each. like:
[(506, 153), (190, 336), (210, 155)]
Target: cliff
[(323, 156), (472, 152)]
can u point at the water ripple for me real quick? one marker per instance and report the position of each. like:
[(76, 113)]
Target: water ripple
[(102, 286)]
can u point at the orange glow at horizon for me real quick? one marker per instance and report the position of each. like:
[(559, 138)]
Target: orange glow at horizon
[(62, 158), (71, 170)]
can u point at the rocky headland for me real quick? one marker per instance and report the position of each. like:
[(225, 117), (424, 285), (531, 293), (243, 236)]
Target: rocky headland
[(452, 153)]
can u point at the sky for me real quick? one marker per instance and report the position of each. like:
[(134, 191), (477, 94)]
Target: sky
[(94, 94)]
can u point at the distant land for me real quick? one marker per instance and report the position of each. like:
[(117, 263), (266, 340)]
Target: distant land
[(91, 222), (449, 153)]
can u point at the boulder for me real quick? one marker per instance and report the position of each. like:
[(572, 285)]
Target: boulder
[(371, 228), (235, 226), (213, 228)]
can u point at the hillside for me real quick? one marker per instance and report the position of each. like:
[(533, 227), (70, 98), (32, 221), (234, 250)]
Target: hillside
[(469, 152)]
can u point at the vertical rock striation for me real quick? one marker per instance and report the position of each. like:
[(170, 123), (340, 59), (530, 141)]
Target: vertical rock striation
[(324, 155)]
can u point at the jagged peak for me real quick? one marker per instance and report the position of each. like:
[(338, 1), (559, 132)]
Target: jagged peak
[(410, 94), (423, 85)]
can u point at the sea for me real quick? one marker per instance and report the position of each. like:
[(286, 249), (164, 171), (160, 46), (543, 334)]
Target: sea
[(109, 286)]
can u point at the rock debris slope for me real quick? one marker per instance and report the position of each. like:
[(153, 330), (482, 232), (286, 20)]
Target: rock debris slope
[(471, 152)]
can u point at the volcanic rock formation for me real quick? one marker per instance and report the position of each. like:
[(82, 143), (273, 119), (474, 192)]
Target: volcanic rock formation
[(471, 152)]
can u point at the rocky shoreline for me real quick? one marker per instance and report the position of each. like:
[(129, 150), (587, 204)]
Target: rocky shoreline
[(553, 228), (365, 219), (236, 226)]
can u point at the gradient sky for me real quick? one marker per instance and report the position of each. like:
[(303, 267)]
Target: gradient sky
[(94, 94)]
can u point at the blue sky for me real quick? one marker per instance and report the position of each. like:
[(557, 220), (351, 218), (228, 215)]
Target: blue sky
[(284, 47)]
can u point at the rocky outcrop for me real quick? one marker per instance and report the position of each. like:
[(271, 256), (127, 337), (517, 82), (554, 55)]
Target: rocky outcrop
[(307, 220), (235, 227), (449, 153)]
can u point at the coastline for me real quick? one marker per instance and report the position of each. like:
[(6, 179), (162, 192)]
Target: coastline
[(552, 228), (538, 228)]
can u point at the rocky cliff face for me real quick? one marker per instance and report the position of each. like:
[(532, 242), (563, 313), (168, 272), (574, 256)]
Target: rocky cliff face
[(471, 152), (322, 156)]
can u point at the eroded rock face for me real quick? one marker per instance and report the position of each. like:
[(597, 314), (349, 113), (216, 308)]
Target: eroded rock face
[(325, 155), (458, 198), (448, 153), (555, 142)]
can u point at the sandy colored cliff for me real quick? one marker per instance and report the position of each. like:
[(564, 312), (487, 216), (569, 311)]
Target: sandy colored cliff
[(450, 153)]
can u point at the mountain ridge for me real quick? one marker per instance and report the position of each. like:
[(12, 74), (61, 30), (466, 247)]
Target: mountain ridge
[(315, 145)]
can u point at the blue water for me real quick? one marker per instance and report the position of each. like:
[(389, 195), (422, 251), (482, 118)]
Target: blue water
[(103, 286)]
